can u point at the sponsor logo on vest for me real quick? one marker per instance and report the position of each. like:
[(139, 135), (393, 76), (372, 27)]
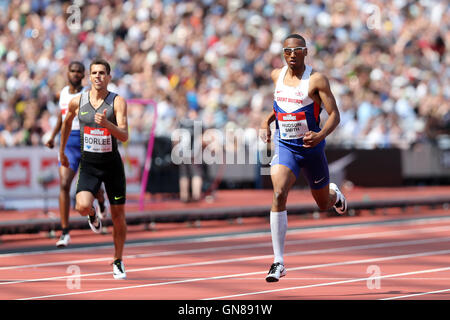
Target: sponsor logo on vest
[(289, 117), (97, 132)]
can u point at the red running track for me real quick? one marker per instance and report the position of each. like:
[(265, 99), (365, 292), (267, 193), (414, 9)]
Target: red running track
[(369, 257), (246, 198)]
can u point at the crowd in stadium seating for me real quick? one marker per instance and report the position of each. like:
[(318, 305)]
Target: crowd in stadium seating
[(387, 62)]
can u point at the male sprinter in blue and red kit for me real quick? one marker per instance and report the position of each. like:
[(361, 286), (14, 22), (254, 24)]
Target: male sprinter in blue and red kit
[(75, 75), (300, 93)]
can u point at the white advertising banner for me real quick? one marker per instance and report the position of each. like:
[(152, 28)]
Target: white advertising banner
[(22, 171)]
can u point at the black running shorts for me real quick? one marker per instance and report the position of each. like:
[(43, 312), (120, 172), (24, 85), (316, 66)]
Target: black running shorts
[(111, 173)]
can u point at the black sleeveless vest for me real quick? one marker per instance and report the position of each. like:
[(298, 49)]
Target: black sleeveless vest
[(97, 143)]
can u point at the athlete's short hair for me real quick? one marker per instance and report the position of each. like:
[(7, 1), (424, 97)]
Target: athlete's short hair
[(102, 62), (295, 36), (78, 63)]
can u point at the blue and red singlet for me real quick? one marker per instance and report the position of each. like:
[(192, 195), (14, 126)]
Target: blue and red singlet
[(295, 114)]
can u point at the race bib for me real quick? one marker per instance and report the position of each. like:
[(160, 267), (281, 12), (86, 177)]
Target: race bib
[(292, 125), (97, 140)]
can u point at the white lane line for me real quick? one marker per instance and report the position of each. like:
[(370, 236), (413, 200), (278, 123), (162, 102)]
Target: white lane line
[(405, 256), (408, 222), (295, 253), (236, 247), (331, 283), (259, 279), (416, 294), (232, 260)]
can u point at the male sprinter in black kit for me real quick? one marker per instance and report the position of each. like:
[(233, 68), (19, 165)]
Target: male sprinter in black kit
[(103, 120), (75, 76)]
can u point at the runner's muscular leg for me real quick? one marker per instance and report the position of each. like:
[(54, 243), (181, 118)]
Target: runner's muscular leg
[(85, 200), (282, 180), (325, 197), (119, 229), (100, 195), (66, 176)]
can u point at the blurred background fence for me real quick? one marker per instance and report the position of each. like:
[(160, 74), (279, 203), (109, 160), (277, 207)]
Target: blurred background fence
[(23, 170)]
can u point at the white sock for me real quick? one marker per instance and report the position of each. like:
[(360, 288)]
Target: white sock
[(278, 228)]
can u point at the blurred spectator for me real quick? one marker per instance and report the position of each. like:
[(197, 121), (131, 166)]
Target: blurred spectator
[(190, 170), (387, 61)]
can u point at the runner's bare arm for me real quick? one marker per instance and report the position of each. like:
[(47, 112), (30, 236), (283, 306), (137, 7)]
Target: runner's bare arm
[(321, 86), (66, 127), (51, 141), (265, 132), (120, 109)]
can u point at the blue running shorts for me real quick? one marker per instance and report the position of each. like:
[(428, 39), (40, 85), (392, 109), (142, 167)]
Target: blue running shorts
[(73, 150), (312, 160)]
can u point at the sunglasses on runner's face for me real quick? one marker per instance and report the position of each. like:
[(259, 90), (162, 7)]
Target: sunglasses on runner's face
[(290, 50)]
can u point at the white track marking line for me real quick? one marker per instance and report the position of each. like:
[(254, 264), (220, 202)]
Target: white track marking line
[(331, 283), (440, 252), (295, 253), (416, 294), (232, 260), (236, 247), (259, 279), (417, 221)]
